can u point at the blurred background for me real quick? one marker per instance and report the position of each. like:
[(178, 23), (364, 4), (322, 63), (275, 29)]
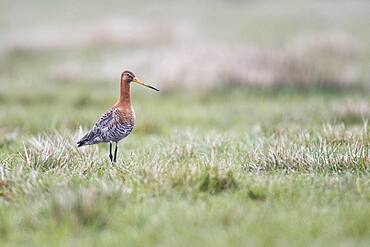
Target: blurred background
[(60, 61)]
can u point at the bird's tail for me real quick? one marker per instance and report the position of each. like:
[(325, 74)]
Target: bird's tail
[(84, 140), (81, 143)]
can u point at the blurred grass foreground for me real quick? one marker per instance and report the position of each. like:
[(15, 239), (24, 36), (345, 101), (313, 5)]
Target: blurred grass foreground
[(259, 136)]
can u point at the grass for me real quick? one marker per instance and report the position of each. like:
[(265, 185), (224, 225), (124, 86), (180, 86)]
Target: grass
[(223, 167)]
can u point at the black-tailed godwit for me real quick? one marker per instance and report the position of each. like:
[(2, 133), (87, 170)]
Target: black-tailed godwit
[(118, 122)]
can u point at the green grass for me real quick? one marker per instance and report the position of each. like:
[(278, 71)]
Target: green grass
[(238, 166)]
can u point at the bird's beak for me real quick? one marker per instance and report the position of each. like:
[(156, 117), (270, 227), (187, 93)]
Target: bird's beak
[(142, 83)]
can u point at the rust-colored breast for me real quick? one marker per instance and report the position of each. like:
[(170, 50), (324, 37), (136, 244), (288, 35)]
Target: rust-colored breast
[(126, 115)]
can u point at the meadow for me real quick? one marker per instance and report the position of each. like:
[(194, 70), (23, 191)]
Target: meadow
[(257, 138)]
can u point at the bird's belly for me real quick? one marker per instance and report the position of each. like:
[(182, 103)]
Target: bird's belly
[(118, 133)]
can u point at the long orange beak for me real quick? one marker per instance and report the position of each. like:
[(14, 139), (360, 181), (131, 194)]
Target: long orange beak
[(142, 83)]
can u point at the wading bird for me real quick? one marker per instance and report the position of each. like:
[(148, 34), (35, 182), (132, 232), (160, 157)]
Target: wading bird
[(118, 122)]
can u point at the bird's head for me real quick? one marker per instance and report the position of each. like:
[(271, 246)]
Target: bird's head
[(129, 77)]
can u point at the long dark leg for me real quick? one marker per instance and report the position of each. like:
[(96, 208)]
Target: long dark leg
[(115, 153), (110, 152)]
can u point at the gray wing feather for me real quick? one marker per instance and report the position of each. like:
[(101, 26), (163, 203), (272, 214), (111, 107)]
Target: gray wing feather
[(106, 120), (106, 129), (98, 132)]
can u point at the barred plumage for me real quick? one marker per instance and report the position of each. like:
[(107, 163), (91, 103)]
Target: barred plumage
[(109, 128), (118, 122)]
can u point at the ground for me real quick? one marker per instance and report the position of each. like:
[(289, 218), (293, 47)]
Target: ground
[(227, 167)]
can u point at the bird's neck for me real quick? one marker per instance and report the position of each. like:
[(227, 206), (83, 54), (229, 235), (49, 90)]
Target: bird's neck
[(124, 96)]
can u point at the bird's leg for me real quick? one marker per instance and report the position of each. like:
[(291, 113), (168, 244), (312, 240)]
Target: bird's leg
[(110, 152), (115, 153)]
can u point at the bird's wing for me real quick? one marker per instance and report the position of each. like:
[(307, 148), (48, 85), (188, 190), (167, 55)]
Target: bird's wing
[(109, 127), (107, 120), (114, 126), (99, 132)]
